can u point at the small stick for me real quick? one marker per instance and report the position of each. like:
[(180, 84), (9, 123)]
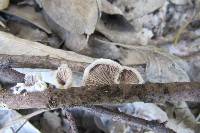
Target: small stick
[(26, 61), (156, 93)]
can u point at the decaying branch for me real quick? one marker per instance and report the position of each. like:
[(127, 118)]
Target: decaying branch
[(103, 94), (139, 124), (25, 61), (10, 76)]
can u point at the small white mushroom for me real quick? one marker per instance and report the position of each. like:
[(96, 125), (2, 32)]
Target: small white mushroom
[(64, 76), (130, 75), (102, 72)]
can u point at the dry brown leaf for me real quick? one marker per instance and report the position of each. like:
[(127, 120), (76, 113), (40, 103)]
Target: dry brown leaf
[(161, 66), (101, 50), (28, 13), (109, 8), (75, 16), (72, 20), (31, 27), (181, 118), (4, 4), (117, 29), (16, 46), (181, 2), (138, 8)]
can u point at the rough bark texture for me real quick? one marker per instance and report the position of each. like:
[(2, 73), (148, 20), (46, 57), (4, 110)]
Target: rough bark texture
[(140, 125), (103, 94), (10, 76), (39, 62)]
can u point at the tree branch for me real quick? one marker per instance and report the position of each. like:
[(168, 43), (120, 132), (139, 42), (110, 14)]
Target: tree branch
[(47, 62), (103, 94), (140, 125)]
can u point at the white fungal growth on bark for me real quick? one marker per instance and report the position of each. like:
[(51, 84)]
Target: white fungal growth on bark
[(60, 78), (33, 83), (31, 79), (107, 72)]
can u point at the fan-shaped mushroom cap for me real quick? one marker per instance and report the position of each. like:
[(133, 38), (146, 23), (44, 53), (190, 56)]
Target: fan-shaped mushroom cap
[(64, 76), (130, 75), (102, 72)]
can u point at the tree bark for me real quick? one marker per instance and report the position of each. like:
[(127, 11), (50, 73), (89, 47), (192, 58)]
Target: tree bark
[(88, 95), (25, 61)]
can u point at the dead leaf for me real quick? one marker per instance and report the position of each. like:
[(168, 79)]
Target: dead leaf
[(138, 8), (72, 20), (117, 29), (181, 119), (161, 66), (100, 50), (109, 8), (28, 13), (16, 46), (4, 4), (181, 2)]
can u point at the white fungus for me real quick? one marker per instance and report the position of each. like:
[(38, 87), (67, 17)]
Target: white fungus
[(101, 72), (108, 72)]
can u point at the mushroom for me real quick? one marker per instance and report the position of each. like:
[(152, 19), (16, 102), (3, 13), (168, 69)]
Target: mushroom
[(130, 75), (64, 76), (108, 72), (102, 72)]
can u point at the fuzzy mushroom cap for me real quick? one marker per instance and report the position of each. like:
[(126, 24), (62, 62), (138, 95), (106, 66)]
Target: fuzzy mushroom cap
[(101, 72), (64, 75), (130, 76)]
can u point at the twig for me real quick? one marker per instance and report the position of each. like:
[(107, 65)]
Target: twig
[(103, 94), (137, 123), (25, 61), (21, 126)]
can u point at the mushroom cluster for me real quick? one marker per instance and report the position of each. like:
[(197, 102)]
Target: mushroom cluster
[(100, 72), (108, 72)]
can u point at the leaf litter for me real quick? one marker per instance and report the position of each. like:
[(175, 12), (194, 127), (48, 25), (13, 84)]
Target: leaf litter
[(133, 33)]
